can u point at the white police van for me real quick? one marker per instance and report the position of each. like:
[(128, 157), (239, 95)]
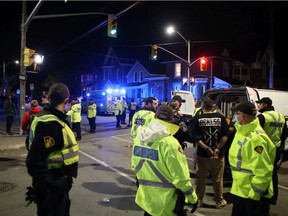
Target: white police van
[(225, 97)]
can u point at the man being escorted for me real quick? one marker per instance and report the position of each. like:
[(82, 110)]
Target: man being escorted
[(161, 168), (274, 124), (251, 158), (53, 158), (210, 132), (75, 113)]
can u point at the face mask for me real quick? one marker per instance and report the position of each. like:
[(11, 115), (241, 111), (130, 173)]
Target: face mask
[(236, 119)]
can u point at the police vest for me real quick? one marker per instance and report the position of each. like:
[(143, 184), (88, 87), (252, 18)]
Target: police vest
[(75, 113), (133, 106), (251, 158), (118, 108), (141, 118), (92, 111), (157, 187), (274, 124), (68, 154)]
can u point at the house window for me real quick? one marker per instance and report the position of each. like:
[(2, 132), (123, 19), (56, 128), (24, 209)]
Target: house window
[(177, 86), (237, 74), (152, 91), (135, 76), (178, 70), (141, 76), (225, 69)]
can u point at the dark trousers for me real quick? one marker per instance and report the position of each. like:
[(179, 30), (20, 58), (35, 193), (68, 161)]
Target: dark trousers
[(123, 116), (274, 198), (76, 127), (52, 201), (9, 121), (118, 119), (131, 114), (92, 123), (249, 207)]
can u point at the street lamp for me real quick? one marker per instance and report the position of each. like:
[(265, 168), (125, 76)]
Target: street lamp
[(171, 30), (4, 65)]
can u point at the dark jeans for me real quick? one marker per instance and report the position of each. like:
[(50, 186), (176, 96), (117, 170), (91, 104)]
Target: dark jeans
[(51, 201), (118, 119), (249, 207), (92, 124), (76, 127), (9, 121)]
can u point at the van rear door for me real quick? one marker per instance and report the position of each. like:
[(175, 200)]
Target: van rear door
[(188, 106)]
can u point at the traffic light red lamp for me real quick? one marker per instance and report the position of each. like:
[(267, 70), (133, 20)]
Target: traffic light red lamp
[(203, 64)]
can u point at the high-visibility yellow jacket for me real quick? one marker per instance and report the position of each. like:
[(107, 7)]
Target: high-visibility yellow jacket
[(274, 124), (118, 108), (141, 118), (92, 111), (133, 106), (75, 113), (161, 167), (68, 154), (251, 158)]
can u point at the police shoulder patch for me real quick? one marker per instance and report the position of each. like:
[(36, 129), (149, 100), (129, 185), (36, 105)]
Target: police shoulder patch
[(258, 149), (49, 141)]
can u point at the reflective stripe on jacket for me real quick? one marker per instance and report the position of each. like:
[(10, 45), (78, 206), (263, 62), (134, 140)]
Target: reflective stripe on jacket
[(92, 110), (141, 118), (161, 167), (133, 106), (251, 158), (75, 113), (274, 124), (68, 154)]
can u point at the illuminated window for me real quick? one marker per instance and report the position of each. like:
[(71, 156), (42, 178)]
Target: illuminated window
[(178, 70)]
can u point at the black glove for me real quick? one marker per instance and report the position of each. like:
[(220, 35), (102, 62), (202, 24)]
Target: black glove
[(29, 195), (194, 206)]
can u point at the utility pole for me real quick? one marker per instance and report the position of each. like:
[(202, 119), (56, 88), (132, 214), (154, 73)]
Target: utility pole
[(22, 76)]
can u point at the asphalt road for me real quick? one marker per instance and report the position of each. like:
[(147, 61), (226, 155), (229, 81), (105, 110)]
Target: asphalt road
[(104, 172)]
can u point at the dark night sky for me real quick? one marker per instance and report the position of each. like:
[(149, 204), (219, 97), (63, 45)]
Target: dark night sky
[(242, 27)]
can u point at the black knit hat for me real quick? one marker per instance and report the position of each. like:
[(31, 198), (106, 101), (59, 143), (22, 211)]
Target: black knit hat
[(245, 107)]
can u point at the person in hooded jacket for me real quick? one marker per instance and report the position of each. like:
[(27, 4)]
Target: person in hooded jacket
[(161, 167), (29, 115)]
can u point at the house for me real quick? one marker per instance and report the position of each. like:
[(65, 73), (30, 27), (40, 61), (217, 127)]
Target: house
[(142, 79)]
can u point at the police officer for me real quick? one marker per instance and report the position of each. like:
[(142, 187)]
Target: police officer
[(124, 109), (161, 167), (144, 116), (274, 124), (118, 109), (132, 108), (52, 159), (75, 113), (251, 158), (91, 115)]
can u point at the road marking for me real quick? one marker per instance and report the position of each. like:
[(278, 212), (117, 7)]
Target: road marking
[(115, 137), (103, 163)]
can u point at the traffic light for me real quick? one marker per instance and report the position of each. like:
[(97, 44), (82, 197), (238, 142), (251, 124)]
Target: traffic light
[(203, 64), (28, 58), (112, 26), (154, 50)]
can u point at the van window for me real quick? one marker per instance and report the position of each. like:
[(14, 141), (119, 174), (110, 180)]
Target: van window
[(226, 100)]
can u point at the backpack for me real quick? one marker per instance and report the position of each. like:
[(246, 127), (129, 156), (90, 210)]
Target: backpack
[(31, 118)]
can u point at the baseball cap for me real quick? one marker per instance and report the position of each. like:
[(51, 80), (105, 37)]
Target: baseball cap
[(165, 113), (265, 100), (245, 107), (178, 97)]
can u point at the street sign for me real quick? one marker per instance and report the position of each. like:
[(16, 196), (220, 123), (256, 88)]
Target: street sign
[(22, 77)]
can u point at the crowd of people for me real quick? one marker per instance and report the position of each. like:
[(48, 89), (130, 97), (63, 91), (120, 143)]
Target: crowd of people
[(160, 136)]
